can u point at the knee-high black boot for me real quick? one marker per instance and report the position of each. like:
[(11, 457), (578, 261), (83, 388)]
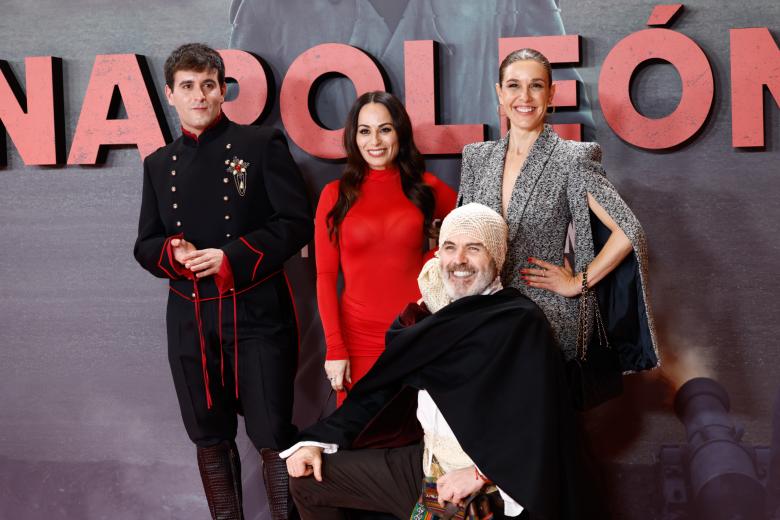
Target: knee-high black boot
[(220, 470), (277, 486)]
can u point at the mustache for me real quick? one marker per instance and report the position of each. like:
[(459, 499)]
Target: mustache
[(464, 266)]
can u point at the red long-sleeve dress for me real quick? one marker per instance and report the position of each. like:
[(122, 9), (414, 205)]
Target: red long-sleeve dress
[(380, 253)]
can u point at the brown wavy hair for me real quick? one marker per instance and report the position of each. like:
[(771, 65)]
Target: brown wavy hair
[(409, 160)]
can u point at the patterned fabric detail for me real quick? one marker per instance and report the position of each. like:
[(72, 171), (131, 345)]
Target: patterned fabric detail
[(479, 506), (445, 454), (550, 192)]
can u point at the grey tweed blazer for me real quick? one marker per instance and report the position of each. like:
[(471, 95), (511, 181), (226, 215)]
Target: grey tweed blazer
[(550, 192)]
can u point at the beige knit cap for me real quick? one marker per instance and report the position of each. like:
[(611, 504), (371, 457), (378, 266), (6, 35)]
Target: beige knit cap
[(479, 223)]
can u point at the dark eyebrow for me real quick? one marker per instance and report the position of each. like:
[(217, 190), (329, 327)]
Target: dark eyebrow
[(532, 79)]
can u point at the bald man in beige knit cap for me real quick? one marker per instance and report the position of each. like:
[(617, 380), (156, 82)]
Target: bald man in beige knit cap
[(472, 250), (478, 368)]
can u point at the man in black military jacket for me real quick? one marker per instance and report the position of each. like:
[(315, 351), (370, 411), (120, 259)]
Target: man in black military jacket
[(223, 207)]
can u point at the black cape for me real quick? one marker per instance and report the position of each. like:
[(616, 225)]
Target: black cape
[(492, 366)]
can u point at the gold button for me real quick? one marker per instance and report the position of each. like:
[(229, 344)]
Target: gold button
[(173, 188), (175, 205), (226, 198), (227, 235), (174, 157), (173, 172), (227, 217)]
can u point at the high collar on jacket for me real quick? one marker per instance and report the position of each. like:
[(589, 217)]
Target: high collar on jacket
[(211, 132)]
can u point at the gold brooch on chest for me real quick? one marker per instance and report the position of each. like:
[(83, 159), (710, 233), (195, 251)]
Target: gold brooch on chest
[(238, 168)]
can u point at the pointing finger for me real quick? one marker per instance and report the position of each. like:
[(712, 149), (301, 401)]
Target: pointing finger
[(316, 465)]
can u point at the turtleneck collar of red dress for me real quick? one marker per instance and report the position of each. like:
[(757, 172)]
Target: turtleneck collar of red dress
[(391, 172)]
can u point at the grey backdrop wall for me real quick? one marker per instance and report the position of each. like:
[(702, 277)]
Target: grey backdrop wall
[(89, 426)]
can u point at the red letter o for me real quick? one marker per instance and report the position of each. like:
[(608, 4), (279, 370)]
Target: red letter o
[(303, 73)]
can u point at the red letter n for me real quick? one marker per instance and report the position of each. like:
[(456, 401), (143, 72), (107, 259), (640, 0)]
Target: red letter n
[(35, 122), (755, 63)]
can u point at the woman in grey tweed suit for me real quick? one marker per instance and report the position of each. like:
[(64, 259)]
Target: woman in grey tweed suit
[(540, 183)]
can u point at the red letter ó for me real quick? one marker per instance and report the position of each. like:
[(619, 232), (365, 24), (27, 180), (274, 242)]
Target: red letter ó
[(615, 95)]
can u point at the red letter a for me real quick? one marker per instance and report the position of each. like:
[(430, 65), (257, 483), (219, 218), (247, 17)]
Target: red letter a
[(115, 77)]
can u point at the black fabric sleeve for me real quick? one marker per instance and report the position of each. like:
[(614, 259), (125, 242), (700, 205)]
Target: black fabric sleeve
[(151, 245)]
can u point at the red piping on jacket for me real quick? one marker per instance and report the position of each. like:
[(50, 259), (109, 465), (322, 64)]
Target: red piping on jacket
[(259, 253), (162, 253), (211, 125), (202, 345), (235, 339), (221, 353), (212, 298), (234, 294), (235, 342)]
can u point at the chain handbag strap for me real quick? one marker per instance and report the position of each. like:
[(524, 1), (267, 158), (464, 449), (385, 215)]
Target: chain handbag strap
[(588, 298)]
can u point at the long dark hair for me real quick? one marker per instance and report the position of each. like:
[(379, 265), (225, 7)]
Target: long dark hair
[(409, 160)]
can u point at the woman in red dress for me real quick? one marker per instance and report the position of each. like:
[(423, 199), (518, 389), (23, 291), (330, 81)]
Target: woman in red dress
[(373, 224)]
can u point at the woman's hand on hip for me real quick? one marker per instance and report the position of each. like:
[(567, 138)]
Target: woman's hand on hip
[(338, 373), (554, 278)]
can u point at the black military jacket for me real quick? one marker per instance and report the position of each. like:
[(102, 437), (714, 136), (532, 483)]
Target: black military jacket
[(235, 187)]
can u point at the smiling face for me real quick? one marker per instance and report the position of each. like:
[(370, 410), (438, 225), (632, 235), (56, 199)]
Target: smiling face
[(376, 136), (466, 266), (525, 93), (197, 98)]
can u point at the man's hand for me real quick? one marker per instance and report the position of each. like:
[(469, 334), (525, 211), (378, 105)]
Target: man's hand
[(181, 248), (306, 461), (457, 485), (203, 262)]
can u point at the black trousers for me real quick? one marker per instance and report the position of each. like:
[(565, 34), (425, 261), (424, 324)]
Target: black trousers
[(384, 480), (267, 360)]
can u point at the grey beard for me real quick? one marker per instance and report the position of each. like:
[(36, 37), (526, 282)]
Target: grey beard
[(484, 280)]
